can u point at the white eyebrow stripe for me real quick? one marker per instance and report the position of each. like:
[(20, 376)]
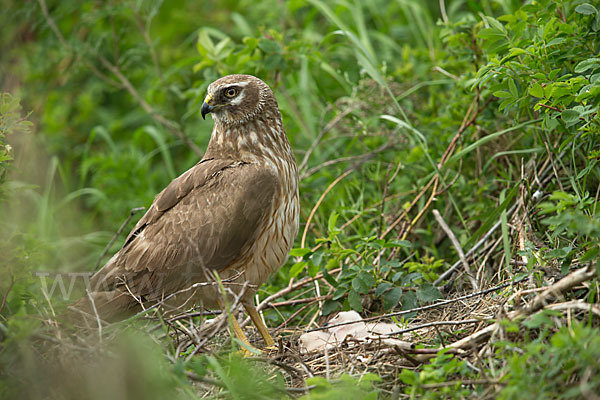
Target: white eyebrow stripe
[(236, 101)]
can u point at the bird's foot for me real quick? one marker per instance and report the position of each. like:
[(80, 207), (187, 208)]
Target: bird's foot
[(270, 348), (247, 350)]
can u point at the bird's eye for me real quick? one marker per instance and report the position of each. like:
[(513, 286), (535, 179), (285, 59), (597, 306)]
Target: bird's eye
[(231, 92)]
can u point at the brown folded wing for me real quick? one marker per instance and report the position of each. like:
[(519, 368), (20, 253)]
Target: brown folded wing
[(203, 220)]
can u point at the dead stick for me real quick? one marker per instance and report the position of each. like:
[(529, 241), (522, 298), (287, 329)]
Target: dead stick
[(117, 233), (475, 247), (424, 308), (568, 282), (314, 210), (457, 246), (463, 382), (12, 282)]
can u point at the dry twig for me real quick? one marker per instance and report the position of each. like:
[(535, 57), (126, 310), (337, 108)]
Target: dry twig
[(132, 212)]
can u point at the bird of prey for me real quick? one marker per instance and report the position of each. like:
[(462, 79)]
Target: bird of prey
[(233, 215)]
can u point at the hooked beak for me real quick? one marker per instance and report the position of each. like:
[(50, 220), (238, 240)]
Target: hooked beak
[(206, 107)]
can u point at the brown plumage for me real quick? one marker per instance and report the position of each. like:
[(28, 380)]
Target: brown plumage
[(234, 213)]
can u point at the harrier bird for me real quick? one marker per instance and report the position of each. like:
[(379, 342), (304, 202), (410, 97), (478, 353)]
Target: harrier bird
[(234, 214)]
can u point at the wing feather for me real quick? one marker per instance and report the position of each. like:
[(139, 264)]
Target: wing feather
[(205, 219)]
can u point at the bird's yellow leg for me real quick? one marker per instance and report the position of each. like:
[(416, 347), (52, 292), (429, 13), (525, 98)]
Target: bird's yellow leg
[(239, 333), (258, 322), (235, 325)]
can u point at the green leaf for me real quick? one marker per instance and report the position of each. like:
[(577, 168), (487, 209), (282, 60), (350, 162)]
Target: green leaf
[(410, 278), (584, 65), (329, 278), (505, 103), (590, 254), (312, 269), (536, 90), (382, 287), (428, 293), (330, 306), (354, 301), (513, 88), (297, 268), (339, 293), (204, 45), (367, 278), (318, 381), (269, 46), (503, 94), (556, 41), (332, 221), (495, 24), (299, 252), (273, 61), (560, 252), (250, 42), (586, 9), (317, 258), (398, 243), (542, 318), (515, 51), (570, 116), (391, 298), (409, 301), (360, 286)]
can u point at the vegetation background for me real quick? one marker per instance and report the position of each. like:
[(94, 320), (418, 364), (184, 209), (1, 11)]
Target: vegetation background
[(486, 111)]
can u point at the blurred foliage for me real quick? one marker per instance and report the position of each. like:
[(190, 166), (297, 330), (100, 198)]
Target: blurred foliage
[(11, 122), (344, 387), (113, 87), (563, 364), (442, 368), (134, 368)]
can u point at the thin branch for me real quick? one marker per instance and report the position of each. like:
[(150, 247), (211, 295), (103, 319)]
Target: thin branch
[(97, 316), (314, 210), (360, 157), (63, 41), (132, 212), (122, 83), (576, 304), (290, 288), (300, 301), (467, 121), (170, 125), (571, 280), (228, 312), (424, 308), (464, 382), (443, 11), (294, 315), (405, 212), (473, 249), (568, 282), (327, 128), (12, 282), (436, 323), (203, 379), (457, 246), (144, 31), (550, 107)]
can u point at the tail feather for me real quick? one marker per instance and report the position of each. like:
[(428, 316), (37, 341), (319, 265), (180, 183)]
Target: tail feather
[(110, 306)]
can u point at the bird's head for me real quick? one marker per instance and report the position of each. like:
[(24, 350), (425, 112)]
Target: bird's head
[(236, 99)]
